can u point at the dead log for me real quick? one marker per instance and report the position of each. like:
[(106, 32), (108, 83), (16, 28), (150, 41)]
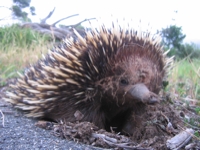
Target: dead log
[(57, 33), (180, 139)]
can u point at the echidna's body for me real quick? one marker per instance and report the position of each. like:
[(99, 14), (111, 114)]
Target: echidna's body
[(106, 75)]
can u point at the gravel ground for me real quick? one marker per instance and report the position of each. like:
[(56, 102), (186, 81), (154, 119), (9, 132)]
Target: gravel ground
[(18, 132)]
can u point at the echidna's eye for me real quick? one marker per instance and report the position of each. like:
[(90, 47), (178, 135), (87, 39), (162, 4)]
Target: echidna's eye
[(124, 82)]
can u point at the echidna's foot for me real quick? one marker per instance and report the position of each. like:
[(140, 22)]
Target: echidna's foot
[(141, 93)]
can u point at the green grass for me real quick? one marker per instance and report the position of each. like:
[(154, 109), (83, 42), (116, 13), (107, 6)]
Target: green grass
[(15, 36), (19, 47), (184, 80)]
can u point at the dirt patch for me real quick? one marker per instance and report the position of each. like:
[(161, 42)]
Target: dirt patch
[(157, 124)]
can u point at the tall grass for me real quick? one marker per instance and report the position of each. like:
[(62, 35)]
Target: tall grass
[(18, 48), (14, 36), (184, 80)]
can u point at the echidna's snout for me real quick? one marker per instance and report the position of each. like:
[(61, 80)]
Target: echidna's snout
[(141, 93)]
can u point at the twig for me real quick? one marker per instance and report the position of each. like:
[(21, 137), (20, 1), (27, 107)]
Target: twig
[(194, 136), (196, 128), (165, 116), (82, 22), (63, 19), (47, 17), (194, 68), (3, 105), (103, 136), (5, 7), (114, 142), (75, 25), (125, 146), (2, 118)]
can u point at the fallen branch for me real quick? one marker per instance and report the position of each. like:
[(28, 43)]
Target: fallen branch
[(48, 16), (75, 25), (115, 143), (63, 19)]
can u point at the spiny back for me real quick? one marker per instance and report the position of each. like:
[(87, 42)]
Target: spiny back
[(86, 69)]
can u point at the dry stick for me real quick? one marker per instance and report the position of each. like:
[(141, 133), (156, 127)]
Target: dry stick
[(82, 22), (121, 145), (196, 128), (2, 117), (114, 142), (75, 25), (3, 105), (169, 128), (165, 116), (194, 68), (48, 16), (5, 18), (194, 136), (63, 19), (103, 136)]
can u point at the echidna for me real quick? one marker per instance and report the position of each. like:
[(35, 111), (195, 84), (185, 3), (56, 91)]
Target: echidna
[(108, 75)]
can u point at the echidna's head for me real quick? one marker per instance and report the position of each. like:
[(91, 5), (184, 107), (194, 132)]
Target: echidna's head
[(135, 74), (126, 66)]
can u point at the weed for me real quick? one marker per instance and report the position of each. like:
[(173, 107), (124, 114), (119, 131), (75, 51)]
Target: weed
[(185, 78)]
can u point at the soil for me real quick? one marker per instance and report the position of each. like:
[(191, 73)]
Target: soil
[(157, 124), (152, 129)]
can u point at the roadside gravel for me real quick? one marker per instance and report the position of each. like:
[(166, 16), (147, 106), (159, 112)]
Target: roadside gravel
[(18, 132)]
